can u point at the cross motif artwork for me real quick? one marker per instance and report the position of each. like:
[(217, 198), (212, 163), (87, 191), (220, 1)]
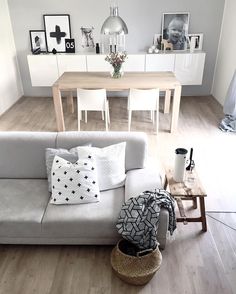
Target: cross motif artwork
[(57, 34), (57, 28)]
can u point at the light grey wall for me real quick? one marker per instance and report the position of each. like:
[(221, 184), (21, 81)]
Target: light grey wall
[(143, 19)]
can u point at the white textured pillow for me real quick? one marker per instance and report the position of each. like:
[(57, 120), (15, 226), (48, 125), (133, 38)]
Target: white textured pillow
[(75, 183), (110, 165)]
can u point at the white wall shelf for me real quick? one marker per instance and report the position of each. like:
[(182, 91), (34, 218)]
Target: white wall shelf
[(45, 69)]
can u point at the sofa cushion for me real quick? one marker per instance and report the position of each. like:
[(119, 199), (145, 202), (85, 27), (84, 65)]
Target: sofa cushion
[(136, 144), (75, 183), (22, 206), (70, 155), (110, 165), (93, 220), (22, 154)]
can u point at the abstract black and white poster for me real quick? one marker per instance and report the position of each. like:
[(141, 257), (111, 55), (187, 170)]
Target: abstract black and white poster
[(87, 37), (175, 29), (57, 27), (38, 41)]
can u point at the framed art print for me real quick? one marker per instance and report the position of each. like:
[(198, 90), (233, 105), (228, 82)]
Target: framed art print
[(38, 41), (175, 29), (199, 40), (57, 27)]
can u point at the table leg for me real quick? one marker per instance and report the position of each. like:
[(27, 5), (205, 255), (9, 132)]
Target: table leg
[(203, 214), (70, 102), (175, 108), (58, 109), (167, 101)]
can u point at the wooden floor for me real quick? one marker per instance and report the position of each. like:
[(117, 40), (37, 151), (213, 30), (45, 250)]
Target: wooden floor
[(193, 262)]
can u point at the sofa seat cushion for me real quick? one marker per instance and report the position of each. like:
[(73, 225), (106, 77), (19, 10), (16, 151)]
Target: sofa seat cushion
[(92, 220), (22, 206)]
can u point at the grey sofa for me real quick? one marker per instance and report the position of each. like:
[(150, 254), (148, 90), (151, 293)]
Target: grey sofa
[(27, 217)]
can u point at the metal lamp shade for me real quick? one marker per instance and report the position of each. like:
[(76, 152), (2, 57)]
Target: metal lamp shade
[(114, 24)]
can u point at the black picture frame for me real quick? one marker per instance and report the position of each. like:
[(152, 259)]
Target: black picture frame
[(57, 29), (175, 29), (38, 41)]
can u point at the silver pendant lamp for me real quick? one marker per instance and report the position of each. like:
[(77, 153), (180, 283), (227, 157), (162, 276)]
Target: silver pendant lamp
[(114, 24)]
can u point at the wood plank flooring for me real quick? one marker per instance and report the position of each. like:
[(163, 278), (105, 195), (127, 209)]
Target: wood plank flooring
[(193, 262)]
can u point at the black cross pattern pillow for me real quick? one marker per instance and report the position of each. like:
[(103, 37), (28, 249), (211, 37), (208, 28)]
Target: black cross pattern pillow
[(75, 183)]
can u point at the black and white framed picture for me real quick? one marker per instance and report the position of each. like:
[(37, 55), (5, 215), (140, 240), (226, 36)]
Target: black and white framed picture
[(38, 41), (57, 27), (175, 29), (87, 37), (198, 40)]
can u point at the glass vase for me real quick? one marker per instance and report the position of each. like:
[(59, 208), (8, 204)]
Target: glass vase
[(117, 72)]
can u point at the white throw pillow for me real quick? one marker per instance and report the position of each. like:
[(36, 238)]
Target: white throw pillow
[(75, 183), (70, 155), (110, 165)]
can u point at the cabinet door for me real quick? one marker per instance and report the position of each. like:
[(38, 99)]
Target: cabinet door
[(134, 62), (97, 63), (160, 62), (71, 63), (189, 68), (43, 70)]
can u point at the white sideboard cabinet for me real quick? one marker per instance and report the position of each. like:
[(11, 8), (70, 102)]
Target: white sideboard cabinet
[(97, 62), (43, 70), (46, 68), (71, 63), (160, 62), (134, 62), (189, 68)]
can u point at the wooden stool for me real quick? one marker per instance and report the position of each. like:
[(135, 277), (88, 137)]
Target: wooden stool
[(182, 192)]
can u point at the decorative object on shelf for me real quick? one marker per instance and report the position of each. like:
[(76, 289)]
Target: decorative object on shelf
[(157, 41), (136, 270), (166, 45), (57, 27), (152, 49), (180, 163), (113, 31), (70, 45), (116, 60), (54, 51), (87, 37), (192, 44), (198, 41), (97, 48), (38, 41), (190, 162), (175, 29)]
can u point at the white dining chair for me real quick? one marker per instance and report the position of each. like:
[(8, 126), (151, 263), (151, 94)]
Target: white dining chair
[(92, 100), (140, 100)]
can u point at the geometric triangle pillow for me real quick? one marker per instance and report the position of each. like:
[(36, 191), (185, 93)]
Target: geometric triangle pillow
[(75, 183)]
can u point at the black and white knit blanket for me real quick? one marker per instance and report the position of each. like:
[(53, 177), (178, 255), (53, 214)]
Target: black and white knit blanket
[(139, 218)]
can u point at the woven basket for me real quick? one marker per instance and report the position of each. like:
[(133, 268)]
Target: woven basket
[(135, 270)]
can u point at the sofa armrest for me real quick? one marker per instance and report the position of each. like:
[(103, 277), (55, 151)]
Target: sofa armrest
[(140, 180)]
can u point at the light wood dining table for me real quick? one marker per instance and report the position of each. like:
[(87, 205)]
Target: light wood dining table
[(70, 81)]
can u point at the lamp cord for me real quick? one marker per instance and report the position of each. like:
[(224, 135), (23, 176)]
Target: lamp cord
[(208, 212)]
